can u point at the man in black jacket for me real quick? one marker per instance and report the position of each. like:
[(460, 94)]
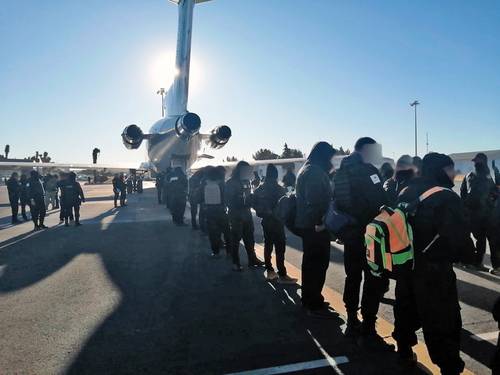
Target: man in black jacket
[(13, 189), (194, 196), (289, 179), (178, 195), (314, 194), (36, 198), (427, 297), (479, 193), (266, 198), (238, 196), (405, 172), (71, 198), (359, 193), (23, 195)]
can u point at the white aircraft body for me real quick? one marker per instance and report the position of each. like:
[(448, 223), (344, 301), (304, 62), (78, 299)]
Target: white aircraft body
[(175, 139)]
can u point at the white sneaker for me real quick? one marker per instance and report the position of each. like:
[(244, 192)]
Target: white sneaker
[(271, 275)]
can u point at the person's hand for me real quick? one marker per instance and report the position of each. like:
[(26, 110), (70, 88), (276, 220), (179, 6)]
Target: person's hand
[(319, 228)]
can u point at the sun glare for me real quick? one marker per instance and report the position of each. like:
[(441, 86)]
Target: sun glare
[(163, 72)]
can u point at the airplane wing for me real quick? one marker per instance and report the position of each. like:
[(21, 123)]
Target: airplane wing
[(10, 165)]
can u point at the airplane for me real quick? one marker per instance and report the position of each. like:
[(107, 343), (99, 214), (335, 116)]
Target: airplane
[(174, 140)]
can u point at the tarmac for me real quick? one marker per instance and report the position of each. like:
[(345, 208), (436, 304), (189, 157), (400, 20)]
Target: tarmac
[(130, 293)]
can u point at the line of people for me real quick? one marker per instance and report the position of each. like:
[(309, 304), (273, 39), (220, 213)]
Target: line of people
[(60, 191), (442, 223)]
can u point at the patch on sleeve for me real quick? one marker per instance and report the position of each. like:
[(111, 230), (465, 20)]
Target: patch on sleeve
[(375, 179)]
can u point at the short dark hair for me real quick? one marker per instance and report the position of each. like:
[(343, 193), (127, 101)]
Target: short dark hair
[(360, 143)]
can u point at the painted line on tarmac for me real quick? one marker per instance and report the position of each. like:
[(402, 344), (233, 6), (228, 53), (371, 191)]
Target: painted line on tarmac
[(294, 367), (487, 336), (384, 328)]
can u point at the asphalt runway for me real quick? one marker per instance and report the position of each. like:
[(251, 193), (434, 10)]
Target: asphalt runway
[(130, 293)]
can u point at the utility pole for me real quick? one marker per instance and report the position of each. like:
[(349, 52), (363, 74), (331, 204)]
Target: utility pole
[(161, 92), (414, 105)]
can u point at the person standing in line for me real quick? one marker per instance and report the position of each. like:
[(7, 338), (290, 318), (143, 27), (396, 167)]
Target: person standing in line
[(359, 193), (194, 196), (166, 188), (116, 189), (140, 185), (122, 187), (289, 179), (50, 191), (13, 189), (71, 198), (159, 182), (238, 197), (479, 195), (256, 180), (266, 198), (405, 172), (314, 194), (36, 197), (178, 193), (386, 172), (23, 196), (427, 297)]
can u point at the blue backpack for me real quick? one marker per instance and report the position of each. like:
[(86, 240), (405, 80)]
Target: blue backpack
[(337, 221)]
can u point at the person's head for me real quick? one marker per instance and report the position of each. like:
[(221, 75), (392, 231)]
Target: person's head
[(211, 173), (439, 168), (369, 149), (23, 177), (404, 163), (221, 171), (14, 176), (417, 164), (256, 174), (271, 173), (242, 171), (72, 176), (386, 170), (480, 160), (290, 169), (34, 175), (321, 155)]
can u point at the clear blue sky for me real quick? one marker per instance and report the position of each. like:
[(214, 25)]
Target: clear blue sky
[(74, 73)]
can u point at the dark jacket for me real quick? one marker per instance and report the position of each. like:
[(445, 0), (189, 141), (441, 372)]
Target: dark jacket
[(396, 184), (13, 189), (178, 186), (358, 190), (71, 193), (238, 197), (35, 190), (23, 191), (314, 193), (478, 192), (441, 214), (266, 198)]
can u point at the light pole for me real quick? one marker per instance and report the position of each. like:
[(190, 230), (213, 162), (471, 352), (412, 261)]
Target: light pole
[(414, 104), (161, 92)]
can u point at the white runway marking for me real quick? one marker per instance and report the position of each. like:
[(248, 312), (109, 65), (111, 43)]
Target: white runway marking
[(488, 336), (301, 366)]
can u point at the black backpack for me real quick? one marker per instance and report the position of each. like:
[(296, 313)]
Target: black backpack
[(286, 210)]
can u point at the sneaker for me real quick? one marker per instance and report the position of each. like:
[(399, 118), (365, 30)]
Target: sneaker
[(271, 275), (42, 226), (237, 268), (373, 342), (256, 263), (495, 271), (287, 280)]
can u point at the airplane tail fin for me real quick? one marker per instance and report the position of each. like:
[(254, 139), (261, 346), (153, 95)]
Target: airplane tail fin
[(177, 95)]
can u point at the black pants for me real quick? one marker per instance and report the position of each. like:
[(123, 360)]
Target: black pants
[(483, 230), (123, 197), (315, 261), (159, 192), (14, 206), (38, 211), (23, 204), (218, 226), (356, 267), (202, 218), (428, 299), (178, 207), (274, 236), (194, 206), (242, 228), (67, 210)]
